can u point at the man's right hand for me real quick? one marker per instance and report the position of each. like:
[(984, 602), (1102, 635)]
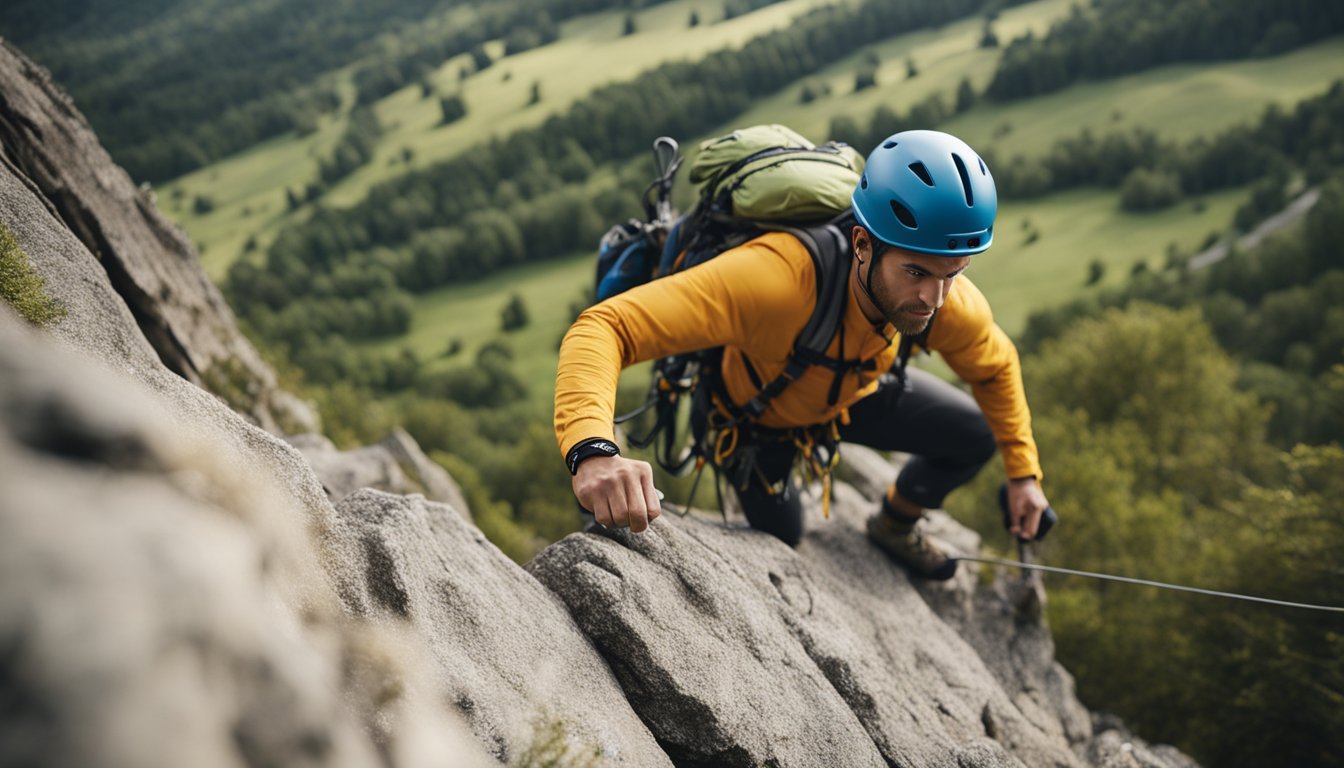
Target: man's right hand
[(618, 491)]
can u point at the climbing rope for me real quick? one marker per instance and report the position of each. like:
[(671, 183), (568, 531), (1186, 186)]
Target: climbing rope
[(1145, 582)]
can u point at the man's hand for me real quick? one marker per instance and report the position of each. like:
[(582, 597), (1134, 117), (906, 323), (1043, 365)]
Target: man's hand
[(618, 491), (1026, 502)]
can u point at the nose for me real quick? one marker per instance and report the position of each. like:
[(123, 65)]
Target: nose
[(933, 293)]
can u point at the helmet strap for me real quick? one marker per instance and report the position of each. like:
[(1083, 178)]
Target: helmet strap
[(866, 284)]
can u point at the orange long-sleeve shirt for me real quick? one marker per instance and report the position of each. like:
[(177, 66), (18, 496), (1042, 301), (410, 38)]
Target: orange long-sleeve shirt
[(754, 300)]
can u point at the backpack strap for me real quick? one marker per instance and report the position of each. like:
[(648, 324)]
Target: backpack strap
[(829, 248)]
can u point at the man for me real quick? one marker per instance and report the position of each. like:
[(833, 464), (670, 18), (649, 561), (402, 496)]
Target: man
[(925, 206)]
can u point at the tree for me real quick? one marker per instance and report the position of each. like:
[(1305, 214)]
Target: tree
[(514, 315), (865, 78), (535, 95), (965, 95), (629, 27), (1096, 270), (1149, 190), (453, 107), (911, 71), (480, 58), (988, 39), (812, 91)]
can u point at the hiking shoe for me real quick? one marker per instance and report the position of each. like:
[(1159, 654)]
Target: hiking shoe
[(906, 543)]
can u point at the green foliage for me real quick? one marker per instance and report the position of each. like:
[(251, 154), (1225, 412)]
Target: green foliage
[(1096, 270), (966, 96), (1268, 197), (355, 147), (811, 91), (514, 315), (351, 416), (21, 287), (453, 107), (734, 8), (541, 32), (1160, 468), (232, 80), (488, 384), (552, 747), (988, 38), (865, 78), (1149, 190), (1115, 37), (1278, 308), (1154, 174)]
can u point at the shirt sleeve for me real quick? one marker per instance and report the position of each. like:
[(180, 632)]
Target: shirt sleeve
[(731, 299), (979, 351)]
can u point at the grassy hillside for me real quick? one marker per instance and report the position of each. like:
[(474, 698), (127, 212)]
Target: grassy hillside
[(248, 189), (1067, 231)]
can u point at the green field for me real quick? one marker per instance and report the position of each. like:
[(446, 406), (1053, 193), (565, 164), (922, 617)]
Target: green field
[(248, 189), (1178, 102)]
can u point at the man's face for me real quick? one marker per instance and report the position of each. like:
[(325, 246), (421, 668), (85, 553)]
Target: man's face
[(907, 286)]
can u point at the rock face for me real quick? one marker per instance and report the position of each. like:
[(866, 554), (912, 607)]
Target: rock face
[(147, 260), (395, 465), (738, 651), (158, 607), (507, 651)]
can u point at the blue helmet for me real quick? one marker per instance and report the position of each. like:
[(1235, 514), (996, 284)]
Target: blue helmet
[(927, 191)]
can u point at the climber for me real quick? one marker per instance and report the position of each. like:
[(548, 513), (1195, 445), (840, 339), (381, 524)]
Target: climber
[(924, 207)]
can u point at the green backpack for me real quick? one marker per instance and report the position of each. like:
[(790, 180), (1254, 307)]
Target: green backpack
[(771, 173)]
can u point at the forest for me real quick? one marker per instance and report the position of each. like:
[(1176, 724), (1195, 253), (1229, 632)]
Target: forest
[(243, 72), (1120, 36)]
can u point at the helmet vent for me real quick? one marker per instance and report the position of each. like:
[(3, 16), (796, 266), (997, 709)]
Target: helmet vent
[(973, 242), (965, 179), (863, 181), (983, 170), (922, 173), (904, 215), (889, 145)]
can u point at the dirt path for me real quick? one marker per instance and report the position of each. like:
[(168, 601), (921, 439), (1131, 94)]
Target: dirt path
[(1295, 210)]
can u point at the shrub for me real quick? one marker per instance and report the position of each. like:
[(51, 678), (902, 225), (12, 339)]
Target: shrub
[(21, 287)]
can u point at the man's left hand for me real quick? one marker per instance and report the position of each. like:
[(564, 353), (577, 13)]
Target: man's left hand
[(1026, 502)]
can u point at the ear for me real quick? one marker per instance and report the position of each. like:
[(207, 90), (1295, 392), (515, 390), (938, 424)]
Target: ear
[(860, 241)]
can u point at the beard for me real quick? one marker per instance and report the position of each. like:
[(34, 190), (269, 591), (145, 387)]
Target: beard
[(900, 315), (906, 323)]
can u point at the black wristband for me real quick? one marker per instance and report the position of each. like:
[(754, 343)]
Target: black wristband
[(593, 446)]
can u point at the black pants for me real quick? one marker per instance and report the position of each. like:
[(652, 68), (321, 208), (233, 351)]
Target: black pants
[(940, 425)]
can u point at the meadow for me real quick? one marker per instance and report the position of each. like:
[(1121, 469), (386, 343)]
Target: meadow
[(1180, 102), (248, 189)]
